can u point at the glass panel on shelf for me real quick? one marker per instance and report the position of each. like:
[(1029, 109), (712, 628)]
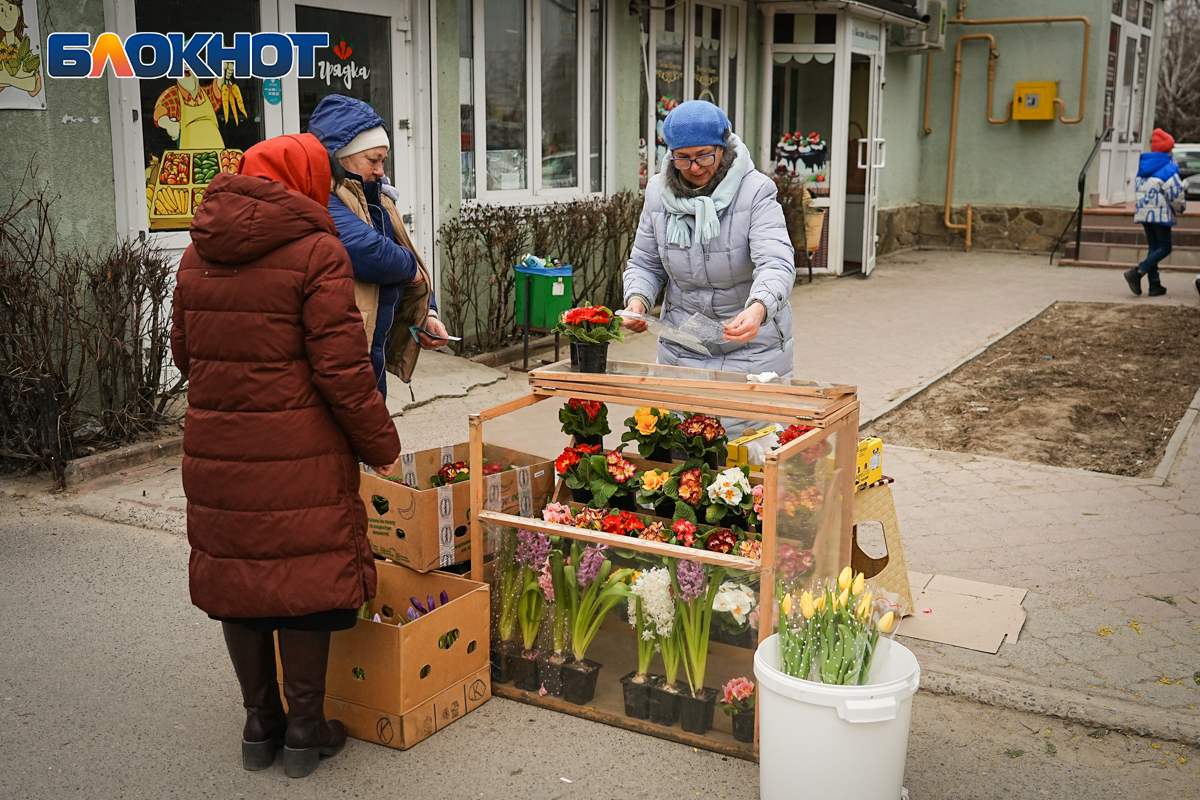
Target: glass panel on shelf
[(505, 89), (560, 93), (808, 516)]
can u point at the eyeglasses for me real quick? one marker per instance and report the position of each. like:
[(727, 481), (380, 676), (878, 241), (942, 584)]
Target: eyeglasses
[(684, 164)]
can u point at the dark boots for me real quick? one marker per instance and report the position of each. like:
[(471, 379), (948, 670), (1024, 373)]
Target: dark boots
[(1134, 278), (305, 656), (1156, 290), (253, 656)]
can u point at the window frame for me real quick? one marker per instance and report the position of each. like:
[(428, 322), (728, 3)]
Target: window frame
[(650, 54), (535, 193)]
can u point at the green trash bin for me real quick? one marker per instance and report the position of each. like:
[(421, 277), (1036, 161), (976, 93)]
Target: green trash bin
[(550, 288)]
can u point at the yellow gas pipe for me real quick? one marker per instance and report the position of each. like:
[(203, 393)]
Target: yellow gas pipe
[(992, 56)]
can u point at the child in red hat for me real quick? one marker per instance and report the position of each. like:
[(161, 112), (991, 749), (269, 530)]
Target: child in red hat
[(1160, 197)]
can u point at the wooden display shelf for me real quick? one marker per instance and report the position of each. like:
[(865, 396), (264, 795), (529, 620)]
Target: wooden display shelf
[(824, 534)]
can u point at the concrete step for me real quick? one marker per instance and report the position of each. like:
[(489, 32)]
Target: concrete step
[(1072, 262), (1181, 256), (1180, 237), (1120, 217)]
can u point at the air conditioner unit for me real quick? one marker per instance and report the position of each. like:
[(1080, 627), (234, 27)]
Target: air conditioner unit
[(934, 35)]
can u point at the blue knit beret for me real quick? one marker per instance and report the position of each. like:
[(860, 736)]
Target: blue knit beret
[(696, 123)]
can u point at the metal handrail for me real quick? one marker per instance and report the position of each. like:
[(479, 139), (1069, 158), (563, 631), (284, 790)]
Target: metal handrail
[(1078, 215)]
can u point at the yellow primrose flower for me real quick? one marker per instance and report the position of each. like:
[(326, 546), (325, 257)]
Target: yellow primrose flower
[(844, 578), (807, 607), (857, 585), (885, 622), (652, 480), (646, 425), (786, 605)]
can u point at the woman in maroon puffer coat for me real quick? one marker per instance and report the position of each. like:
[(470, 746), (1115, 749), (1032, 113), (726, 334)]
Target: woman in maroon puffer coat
[(282, 403)]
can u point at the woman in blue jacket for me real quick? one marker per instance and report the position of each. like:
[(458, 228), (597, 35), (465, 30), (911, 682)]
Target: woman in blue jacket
[(391, 283)]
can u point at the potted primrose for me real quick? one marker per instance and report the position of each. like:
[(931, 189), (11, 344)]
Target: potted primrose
[(589, 329)]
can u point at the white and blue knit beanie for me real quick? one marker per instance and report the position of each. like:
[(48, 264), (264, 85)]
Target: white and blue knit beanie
[(696, 123)]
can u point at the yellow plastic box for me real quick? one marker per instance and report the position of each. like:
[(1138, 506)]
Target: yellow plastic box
[(870, 462), (1034, 100)]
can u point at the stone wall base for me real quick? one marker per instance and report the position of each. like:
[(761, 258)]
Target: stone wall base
[(1028, 229)]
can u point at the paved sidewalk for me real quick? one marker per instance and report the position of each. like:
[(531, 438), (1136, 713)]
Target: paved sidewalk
[(1090, 548)]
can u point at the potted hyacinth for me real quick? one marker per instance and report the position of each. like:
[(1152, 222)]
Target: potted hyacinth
[(589, 329), (593, 588), (585, 420), (508, 588), (695, 588), (574, 466), (652, 615), (553, 580), (737, 699), (701, 436), (653, 429), (531, 555)]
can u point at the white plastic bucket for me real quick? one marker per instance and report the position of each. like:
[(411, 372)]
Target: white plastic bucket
[(820, 741)]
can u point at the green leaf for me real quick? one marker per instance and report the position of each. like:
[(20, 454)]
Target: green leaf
[(602, 493), (713, 514), (684, 511)]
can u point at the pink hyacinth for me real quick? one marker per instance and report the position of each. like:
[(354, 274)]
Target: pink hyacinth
[(532, 548), (546, 581)]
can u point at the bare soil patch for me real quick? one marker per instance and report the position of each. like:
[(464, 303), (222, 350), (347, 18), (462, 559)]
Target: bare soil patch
[(1094, 386)]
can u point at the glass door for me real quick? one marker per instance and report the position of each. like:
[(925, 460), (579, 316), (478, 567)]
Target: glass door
[(874, 159), (367, 59), (1130, 37)]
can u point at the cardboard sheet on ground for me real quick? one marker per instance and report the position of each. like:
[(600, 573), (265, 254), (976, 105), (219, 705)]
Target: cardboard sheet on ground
[(962, 613)]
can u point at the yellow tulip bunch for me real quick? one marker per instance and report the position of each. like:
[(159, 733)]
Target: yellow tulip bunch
[(834, 636)]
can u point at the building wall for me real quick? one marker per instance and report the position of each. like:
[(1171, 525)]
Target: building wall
[(69, 143), (449, 140)]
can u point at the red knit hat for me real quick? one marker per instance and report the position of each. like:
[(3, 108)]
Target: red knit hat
[(1161, 141)]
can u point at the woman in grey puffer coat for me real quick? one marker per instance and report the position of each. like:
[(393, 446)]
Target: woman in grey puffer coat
[(713, 236)]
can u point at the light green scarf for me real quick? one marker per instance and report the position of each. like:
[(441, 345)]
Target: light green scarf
[(705, 208)]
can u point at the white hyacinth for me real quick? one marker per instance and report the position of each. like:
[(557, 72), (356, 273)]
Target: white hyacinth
[(658, 607), (729, 487), (737, 599)]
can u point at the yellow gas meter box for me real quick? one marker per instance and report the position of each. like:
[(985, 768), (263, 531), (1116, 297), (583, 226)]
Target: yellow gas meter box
[(870, 463), (1034, 100)]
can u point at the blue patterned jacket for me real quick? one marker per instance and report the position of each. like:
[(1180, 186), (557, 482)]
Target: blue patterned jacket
[(1159, 190)]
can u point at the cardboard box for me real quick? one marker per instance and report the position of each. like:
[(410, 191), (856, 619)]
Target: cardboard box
[(870, 463), (430, 528), (397, 684)]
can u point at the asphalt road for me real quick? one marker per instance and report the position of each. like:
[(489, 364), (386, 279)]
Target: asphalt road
[(113, 686)]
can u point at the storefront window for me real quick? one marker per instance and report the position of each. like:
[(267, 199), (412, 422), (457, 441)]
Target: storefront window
[(596, 109), (543, 90), (672, 73), (1139, 106), (707, 67), (193, 129), (805, 29), (357, 64), (802, 118), (560, 86), (466, 95)]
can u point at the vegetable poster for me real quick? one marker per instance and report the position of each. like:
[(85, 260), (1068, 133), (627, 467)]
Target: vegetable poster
[(21, 83)]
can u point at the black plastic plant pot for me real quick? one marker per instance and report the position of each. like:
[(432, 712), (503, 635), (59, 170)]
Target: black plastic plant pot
[(664, 705), (625, 502), (661, 455), (595, 439), (665, 509), (593, 358), (743, 726), (715, 460), (499, 659), (550, 673), (574, 354), (637, 697), (523, 669), (696, 713), (581, 496), (579, 681)]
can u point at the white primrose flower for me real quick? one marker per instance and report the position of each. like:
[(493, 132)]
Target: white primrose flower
[(735, 598), (729, 487), (658, 607)]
